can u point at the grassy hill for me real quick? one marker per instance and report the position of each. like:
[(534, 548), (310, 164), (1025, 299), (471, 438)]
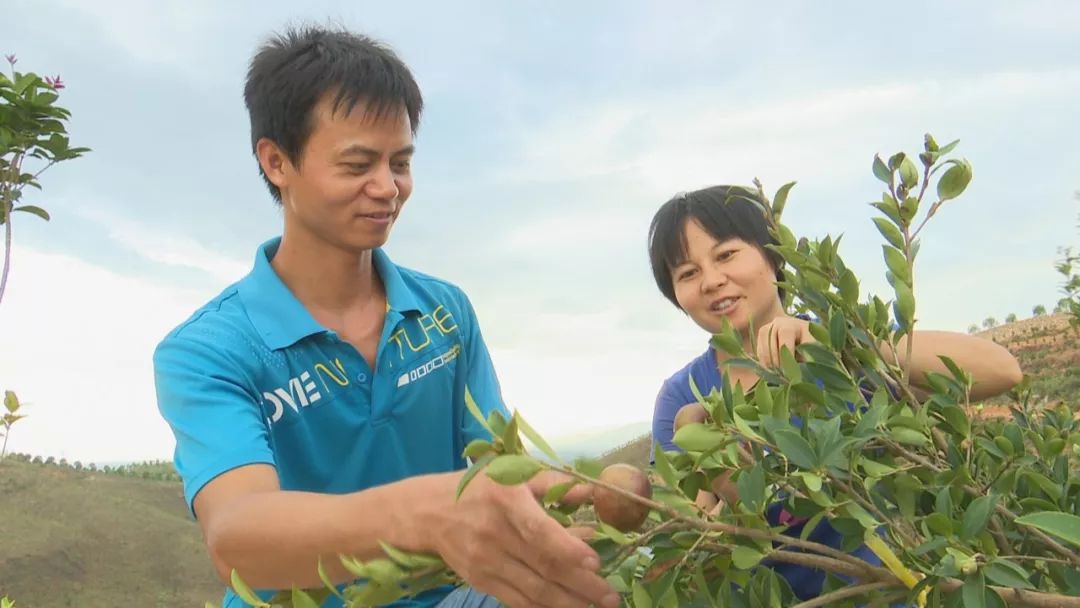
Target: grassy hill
[(90, 539), (1046, 347)]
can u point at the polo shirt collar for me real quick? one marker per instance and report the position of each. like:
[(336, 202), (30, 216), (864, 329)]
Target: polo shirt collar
[(281, 320)]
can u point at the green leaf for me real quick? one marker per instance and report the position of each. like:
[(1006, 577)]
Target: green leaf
[(300, 599), (890, 232), (694, 390), (326, 580), (698, 437), (789, 365), (908, 436), (904, 306), (955, 180), (837, 331), (780, 200), (34, 209), (728, 344), (909, 173), (663, 467), (796, 449), (11, 402), (849, 287), (745, 429), (476, 413), (535, 438), (948, 147), (939, 524), (1063, 525), (897, 263), (956, 418), (745, 558), (812, 480), (1044, 483), (244, 592), (476, 449), (473, 470), (1007, 574), (751, 487), (408, 560), (640, 595), (977, 516), (513, 469), (875, 469), (973, 592), (881, 171)]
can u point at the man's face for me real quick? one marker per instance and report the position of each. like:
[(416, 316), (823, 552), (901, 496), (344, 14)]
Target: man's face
[(353, 177)]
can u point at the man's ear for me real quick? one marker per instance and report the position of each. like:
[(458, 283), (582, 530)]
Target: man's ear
[(273, 161)]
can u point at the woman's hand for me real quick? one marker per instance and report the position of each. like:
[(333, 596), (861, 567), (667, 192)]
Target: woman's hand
[(778, 333)]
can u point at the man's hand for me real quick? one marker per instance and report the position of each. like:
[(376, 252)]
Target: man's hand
[(500, 540), (780, 332)]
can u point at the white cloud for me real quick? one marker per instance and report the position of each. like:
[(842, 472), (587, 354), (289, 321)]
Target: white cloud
[(687, 138), (167, 248), (78, 342), (167, 32)]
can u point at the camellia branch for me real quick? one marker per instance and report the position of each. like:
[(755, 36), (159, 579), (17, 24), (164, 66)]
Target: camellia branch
[(699, 524), (1003, 511), (843, 594)]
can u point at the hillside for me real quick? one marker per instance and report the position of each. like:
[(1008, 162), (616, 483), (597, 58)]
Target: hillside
[(1047, 348), (89, 539)]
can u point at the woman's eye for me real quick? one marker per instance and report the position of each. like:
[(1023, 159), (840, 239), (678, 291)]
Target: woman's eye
[(686, 274), (724, 255)]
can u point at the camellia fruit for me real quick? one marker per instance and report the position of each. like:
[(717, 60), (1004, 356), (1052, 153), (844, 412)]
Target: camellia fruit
[(689, 414), (617, 510)]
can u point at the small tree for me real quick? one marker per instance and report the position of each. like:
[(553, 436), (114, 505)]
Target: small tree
[(972, 329), (989, 322), (1010, 318), (1039, 310), (33, 138)]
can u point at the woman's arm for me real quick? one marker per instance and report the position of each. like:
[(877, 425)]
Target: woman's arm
[(993, 369)]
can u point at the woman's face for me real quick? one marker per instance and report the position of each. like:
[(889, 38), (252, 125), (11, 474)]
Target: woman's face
[(731, 279)]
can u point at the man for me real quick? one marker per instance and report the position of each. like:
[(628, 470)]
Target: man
[(318, 403)]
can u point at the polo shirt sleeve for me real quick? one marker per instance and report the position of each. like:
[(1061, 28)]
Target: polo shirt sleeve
[(205, 395), (480, 379)]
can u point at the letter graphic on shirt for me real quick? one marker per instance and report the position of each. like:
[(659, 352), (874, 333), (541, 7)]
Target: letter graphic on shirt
[(342, 380), (302, 391)]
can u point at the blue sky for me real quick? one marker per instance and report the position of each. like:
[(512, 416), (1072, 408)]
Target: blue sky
[(553, 131)]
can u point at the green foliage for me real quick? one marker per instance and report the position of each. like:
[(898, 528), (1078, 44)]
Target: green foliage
[(33, 137), (962, 510)]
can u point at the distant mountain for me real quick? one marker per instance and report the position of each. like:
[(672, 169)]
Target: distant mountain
[(593, 443)]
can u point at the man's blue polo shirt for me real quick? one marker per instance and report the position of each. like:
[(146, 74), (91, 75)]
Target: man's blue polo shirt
[(251, 377)]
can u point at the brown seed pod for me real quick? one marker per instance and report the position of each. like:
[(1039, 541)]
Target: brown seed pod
[(617, 510)]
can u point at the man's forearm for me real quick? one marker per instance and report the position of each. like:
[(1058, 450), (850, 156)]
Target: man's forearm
[(275, 539)]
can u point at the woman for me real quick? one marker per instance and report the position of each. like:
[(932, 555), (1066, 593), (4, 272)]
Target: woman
[(709, 258)]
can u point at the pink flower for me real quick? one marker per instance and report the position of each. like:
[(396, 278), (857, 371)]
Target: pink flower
[(11, 58), (55, 83)]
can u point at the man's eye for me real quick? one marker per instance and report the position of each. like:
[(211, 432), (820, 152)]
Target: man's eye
[(402, 166), (357, 167)]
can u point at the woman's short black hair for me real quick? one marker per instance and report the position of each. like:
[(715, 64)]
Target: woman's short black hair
[(292, 72), (725, 212)]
